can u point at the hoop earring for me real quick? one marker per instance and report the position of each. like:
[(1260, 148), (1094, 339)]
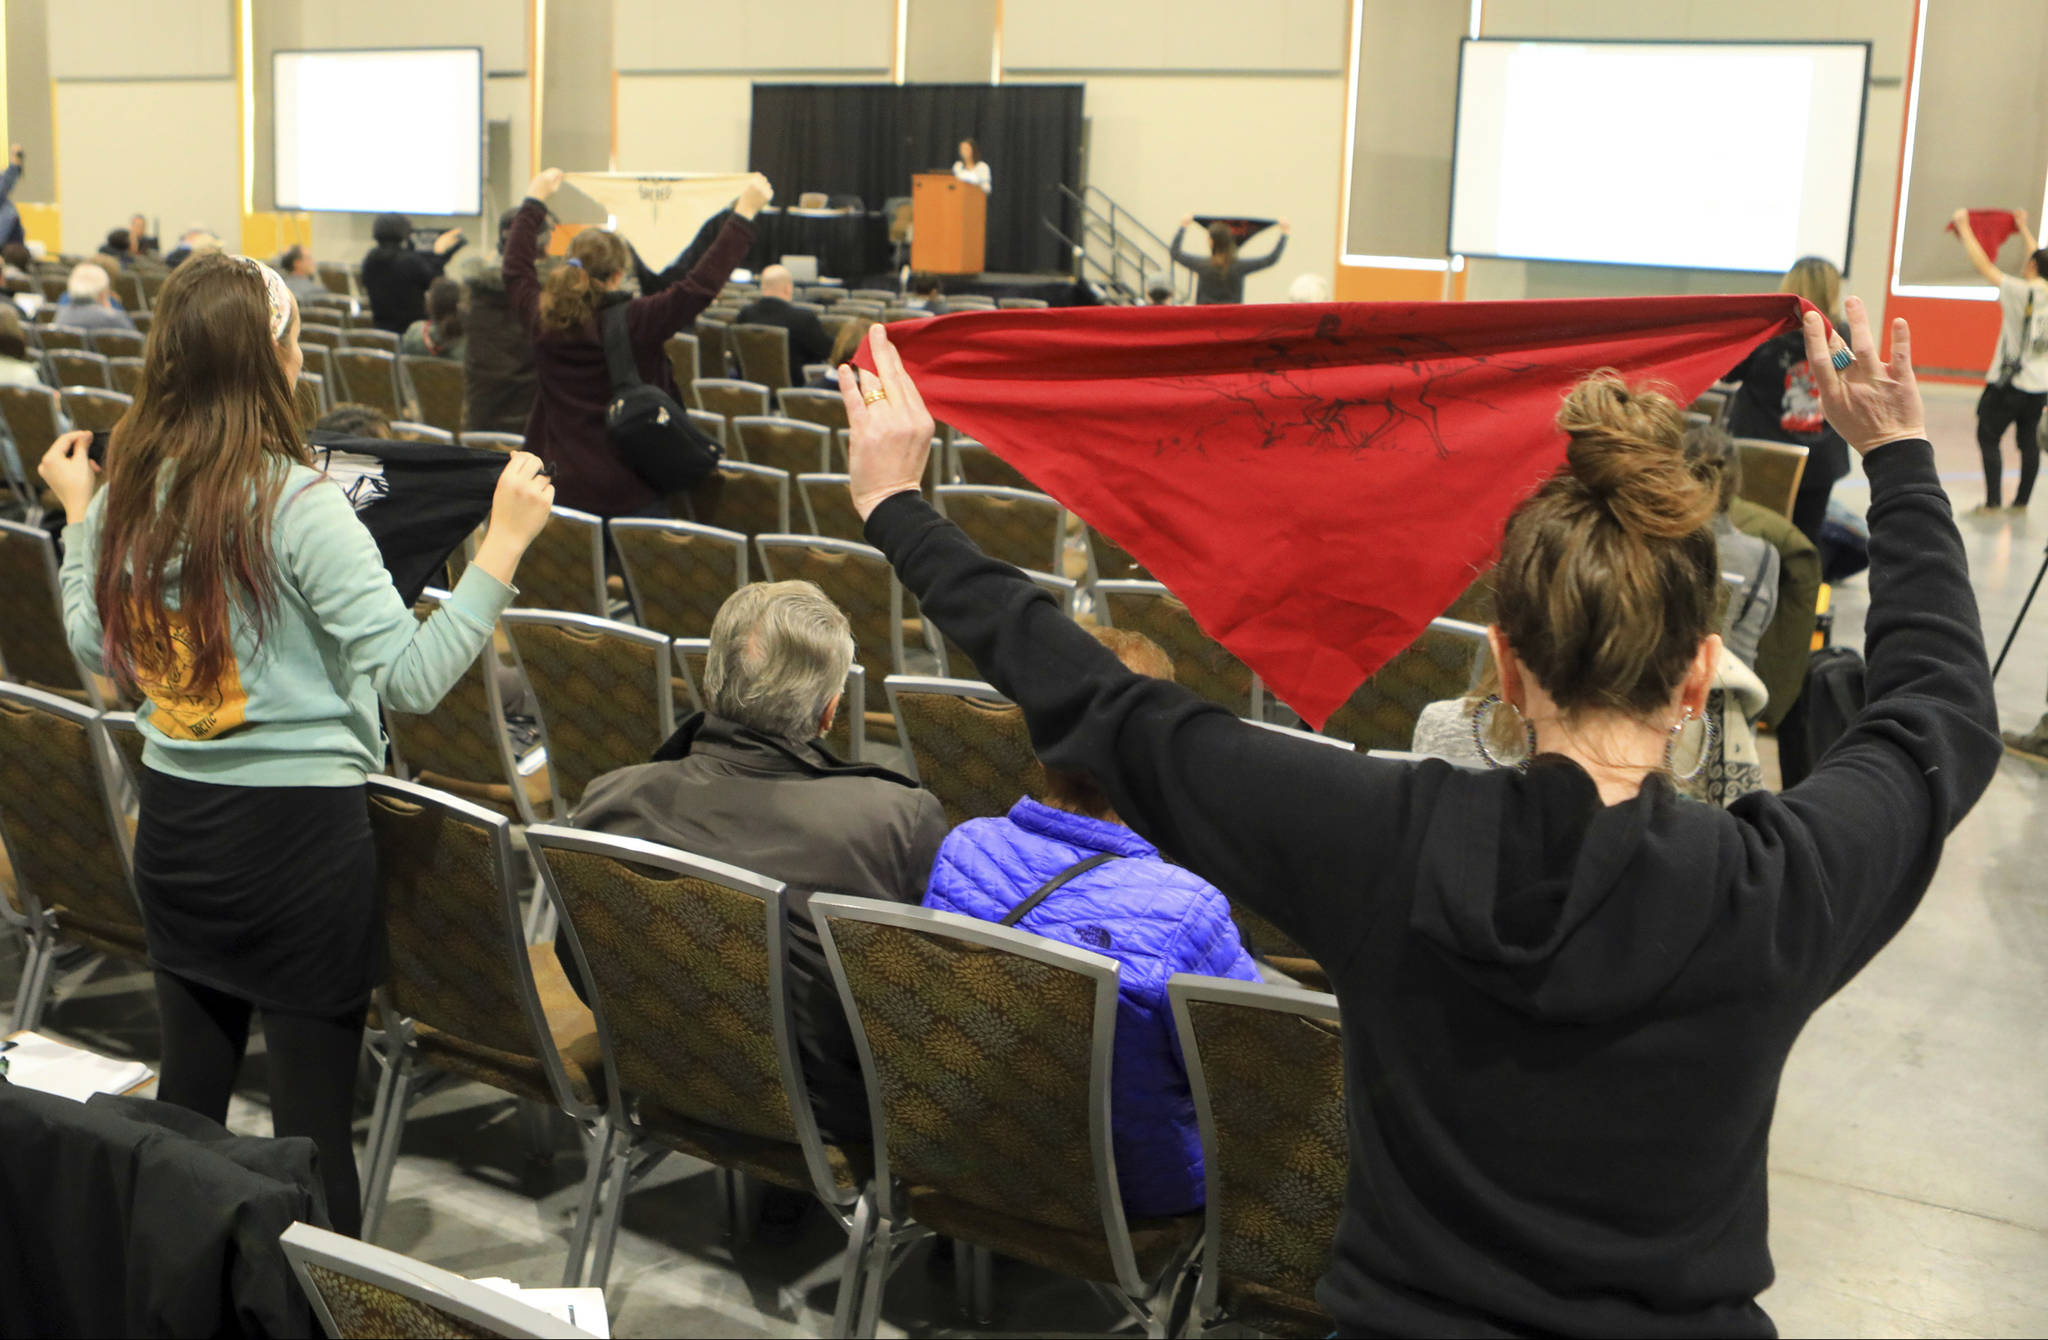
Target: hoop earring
[(1479, 722), (1710, 737)]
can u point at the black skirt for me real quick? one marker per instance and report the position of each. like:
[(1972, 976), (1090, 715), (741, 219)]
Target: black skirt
[(268, 893)]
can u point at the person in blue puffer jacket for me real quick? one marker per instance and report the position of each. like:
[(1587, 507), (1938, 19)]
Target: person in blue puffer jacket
[(1155, 919)]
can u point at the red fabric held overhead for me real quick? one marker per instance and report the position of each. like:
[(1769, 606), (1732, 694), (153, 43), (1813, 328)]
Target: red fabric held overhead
[(1992, 227), (1315, 481)]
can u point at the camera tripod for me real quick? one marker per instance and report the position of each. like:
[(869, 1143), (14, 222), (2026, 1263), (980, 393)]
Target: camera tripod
[(2021, 617)]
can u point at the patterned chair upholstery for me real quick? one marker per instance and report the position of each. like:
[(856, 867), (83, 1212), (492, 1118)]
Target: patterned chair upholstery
[(713, 359), (784, 444), (306, 399), (828, 508), (1443, 663), (1770, 472), (1199, 661), (370, 376), (466, 994), (1017, 526), (437, 383), (32, 420), (682, 351), (362, 1292), (33, 647), (461, 747), (678, 573), (975, 464), (601, 690), (987, 1055), (1266, 1065), (319, 334), (125, 375), (751, 499), (968, 745), (814, 406), (731, 399), (684, 959), (861, 583), (75, 367), (564, 566), (59, 337), (118, 343), (1113, 563), (1475, 603), (67, 852), (763, 353), (360, 336)]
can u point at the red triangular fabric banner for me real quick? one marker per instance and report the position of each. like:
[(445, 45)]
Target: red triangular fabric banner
[(1316, 481), (1992, 227)]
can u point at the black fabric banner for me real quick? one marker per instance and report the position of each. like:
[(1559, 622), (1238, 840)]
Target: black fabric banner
[(867, 140)]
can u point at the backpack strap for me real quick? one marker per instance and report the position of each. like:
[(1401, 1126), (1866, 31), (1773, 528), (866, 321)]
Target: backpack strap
[(1039, 895), (618, 348)]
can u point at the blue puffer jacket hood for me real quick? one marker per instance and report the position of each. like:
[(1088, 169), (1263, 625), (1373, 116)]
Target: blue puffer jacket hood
[(1154, 919)]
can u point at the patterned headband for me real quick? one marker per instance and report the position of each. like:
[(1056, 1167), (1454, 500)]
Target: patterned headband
[(280, 297)]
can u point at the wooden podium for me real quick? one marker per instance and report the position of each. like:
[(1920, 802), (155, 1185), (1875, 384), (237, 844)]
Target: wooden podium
[(950, 219)]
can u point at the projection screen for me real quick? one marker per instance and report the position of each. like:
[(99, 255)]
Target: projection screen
[(370, 131), (1709, 155)]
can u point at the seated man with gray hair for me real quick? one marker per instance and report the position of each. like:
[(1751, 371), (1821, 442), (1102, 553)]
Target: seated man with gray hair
[(748, 783)]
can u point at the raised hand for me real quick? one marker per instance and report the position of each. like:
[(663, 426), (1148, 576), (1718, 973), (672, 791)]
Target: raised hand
[(890, 439), (447, 241), (544, 184), (754, 197), (1869, 402), (70, 473)]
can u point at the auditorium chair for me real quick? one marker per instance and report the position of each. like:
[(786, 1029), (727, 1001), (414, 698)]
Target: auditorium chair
[(33, 647), (404, 430), (866, 307), (694, 1026), (33, 420), (359, 1291), (1020, 527), (957, 663), (1109, 560), (752, 499), (1006, 1146), (1443, 662), (828, 507), (68, 851), (438, 385), (711, 425), (465, 993), (152, 284), (886, 297), (54, 286), (1020, 304), (125, 375), (861, 583), (1266, 1065), (76, 367), (679, 573), (1771, 472), (127, 289), (683, 361), (967, 745), (370, 377), (309, 397), (369, 337), (505, 442), (118, 343), (313, 332), (969, 302), (891, 315), (563, 568), (91, 409), (784, 444), (731, 399), (974, 463), (1713, 404), (814, 406), (461, 745), (319, 360), (1200, 663), (337, 276), (601, 693)]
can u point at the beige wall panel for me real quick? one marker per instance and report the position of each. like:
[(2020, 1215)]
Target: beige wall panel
[(498, 26), (1274, 35), (1407, 105), (951, 41), (778, 35), (141, 39), (111, 169)]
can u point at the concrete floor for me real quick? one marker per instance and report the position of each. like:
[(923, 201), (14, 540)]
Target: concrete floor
[(1909, 1170)]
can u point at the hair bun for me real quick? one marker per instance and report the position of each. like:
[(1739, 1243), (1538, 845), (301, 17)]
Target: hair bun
[(1627, 454)]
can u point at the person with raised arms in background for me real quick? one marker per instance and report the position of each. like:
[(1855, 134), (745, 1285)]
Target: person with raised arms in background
[(2016, 386)]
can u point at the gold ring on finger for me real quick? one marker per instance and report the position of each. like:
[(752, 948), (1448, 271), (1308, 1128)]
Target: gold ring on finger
[(872, 396)]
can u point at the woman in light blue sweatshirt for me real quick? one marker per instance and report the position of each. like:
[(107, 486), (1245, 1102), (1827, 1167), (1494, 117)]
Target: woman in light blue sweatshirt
[(227, 584)]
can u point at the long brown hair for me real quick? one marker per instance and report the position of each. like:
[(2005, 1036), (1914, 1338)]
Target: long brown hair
[(193, 479), (1222, 245), (1608, 573), (1816, 279), (570, 298)]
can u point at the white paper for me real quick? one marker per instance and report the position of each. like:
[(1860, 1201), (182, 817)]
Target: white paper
[(37, 1062), (659, 212), (582, 1308)]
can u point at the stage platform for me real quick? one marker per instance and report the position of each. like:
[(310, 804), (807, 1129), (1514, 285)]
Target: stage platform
[(1056, 290)]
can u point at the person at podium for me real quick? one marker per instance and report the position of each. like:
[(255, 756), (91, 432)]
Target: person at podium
[(969, 167)]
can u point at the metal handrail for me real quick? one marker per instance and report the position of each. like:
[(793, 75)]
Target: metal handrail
[(1118, 229)]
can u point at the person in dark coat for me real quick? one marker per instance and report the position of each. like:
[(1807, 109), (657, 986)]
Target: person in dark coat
[(808, 342), (748, 783), (395, 275), (1568, 992)]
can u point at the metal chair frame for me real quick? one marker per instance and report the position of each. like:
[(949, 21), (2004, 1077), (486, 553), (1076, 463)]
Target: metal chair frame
[(490, 1312), (659, 643)]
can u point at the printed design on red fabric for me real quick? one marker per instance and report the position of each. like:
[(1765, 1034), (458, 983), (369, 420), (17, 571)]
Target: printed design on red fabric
[(1315, 481), (1800, 408), (1992, 227)]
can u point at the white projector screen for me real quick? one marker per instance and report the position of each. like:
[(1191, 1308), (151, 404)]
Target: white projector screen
[(1709, 156), (371, 131)]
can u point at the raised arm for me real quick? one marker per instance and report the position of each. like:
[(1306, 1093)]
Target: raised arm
[(1270, 259), (1975, 249), (12, 176), (521, 261), (2027, 238), (1285, 826), (662, 315), (1873, 817), (1191, 261)]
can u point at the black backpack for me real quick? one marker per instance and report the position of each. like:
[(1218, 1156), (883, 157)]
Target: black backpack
[(1827, 706), (651, 431)]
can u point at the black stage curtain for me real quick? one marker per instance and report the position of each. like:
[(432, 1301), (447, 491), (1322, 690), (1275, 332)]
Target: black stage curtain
[(867, 140)]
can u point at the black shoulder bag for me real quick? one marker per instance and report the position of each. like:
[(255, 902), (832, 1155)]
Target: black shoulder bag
[(651, 431), (1038, 895)]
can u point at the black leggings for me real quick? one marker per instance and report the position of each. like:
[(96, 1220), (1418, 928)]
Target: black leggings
[(312, 1064), (1999, 408)]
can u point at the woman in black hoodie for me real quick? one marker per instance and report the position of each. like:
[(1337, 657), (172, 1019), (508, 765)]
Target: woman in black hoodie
[(1567, 992)]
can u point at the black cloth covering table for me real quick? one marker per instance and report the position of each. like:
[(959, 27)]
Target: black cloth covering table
[(848, 246)]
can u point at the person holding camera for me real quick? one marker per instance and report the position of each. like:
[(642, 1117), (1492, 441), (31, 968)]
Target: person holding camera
[(2016, 387), (396, 275)]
